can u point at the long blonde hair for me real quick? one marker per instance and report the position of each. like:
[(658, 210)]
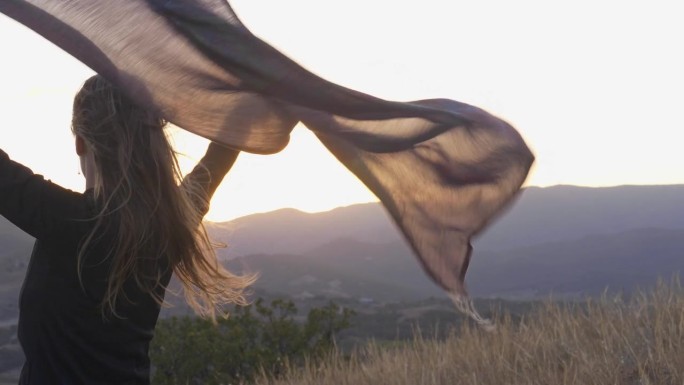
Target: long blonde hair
[(155, 216)]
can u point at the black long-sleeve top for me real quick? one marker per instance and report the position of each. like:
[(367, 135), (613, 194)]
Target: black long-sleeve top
[(65, 338)]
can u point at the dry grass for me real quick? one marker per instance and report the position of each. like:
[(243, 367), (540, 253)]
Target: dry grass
[(607, 341)]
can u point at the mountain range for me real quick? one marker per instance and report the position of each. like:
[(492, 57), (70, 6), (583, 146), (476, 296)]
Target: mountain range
[(561, 240), (540, 215)]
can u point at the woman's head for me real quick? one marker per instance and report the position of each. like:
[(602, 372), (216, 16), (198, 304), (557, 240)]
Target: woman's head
[(138, 193), (109, 127)]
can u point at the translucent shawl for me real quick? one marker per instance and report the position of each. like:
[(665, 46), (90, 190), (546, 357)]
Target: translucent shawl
[(442, 169)]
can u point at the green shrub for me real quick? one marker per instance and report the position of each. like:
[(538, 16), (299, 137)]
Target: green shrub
[(256, 340)]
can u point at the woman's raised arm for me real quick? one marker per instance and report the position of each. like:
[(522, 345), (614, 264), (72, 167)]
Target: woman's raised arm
[(210, 171)]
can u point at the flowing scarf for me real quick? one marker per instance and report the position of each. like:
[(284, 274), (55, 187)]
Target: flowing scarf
[(442, 169)]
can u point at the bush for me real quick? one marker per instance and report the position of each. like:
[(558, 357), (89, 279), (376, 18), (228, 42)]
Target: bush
[(258, 339)]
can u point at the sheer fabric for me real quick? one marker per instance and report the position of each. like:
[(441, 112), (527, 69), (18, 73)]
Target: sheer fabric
[(443, 169)]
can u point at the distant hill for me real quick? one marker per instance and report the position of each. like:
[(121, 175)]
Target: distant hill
[(344, 268), (564, 239), (560, 239), (540, 215), (388, 272), (294, 231), (622, 262), (568, 212)]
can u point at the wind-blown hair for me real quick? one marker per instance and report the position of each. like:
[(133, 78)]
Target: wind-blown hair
[(141, 198)]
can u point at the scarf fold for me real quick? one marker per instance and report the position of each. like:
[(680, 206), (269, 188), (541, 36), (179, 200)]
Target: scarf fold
[(442, 169)]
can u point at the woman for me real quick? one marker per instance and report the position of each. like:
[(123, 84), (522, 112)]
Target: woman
[(102, 259)]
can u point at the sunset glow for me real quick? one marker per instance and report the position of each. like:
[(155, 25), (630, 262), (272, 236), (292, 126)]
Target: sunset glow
[(595, 89)]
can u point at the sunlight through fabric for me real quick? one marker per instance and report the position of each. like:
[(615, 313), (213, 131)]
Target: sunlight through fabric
[(442, 169)]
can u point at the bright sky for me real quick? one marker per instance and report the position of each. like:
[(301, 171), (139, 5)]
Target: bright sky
[(595, 87)]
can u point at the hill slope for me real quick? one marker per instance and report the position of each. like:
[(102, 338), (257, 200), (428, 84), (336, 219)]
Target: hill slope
[(388, 272), (540, 215), (563, 239)]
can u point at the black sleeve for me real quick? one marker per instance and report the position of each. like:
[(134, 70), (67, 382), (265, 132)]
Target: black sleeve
[(209, 173), (37, 206)]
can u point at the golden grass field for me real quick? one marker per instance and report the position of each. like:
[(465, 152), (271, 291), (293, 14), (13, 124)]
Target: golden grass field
[(607, 341)]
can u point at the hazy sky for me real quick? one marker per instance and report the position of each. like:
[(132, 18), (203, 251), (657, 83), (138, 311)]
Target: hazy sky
[(595, 87)]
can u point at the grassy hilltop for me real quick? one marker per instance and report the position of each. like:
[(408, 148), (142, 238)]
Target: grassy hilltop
[(606, 341)]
